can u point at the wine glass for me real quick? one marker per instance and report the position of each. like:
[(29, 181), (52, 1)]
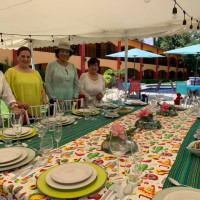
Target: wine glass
[(17, 122), (118, 147), (46, 145), (57, 131)]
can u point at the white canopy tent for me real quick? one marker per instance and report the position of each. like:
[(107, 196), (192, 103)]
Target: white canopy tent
[(89, 21)]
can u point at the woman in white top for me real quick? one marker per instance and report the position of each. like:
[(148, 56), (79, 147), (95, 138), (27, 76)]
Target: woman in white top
[(92, 84), (6, 94)]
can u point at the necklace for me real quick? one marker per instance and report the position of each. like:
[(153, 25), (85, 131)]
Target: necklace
[(94, 77)]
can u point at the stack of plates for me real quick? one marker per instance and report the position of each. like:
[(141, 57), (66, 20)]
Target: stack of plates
[(25, 132), (15, 157), (65, 120), (85, 110), (106, 105), (71, 180), (135, 102)]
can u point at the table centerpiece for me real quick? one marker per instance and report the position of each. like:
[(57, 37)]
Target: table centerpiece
[(167, 110), (123, 133), (146, 120)]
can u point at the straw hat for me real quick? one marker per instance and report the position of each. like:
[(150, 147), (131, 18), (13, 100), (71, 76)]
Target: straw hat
[(64, 45)]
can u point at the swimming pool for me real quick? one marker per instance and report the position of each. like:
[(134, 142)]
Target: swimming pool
[(163, 89)]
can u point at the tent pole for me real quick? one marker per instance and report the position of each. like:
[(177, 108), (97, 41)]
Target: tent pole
[(134, 69), (196, 68), (126, 65), (32, 54)]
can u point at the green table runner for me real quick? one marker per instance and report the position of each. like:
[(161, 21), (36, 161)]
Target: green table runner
[(186, 168), (74, 131)]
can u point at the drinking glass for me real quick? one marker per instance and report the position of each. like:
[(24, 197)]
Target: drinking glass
[(86, 112), (92, 110), (41, 128), (46, 145), (17, 122), (118, 147), (136, 158), (57, 131), (5, 124)]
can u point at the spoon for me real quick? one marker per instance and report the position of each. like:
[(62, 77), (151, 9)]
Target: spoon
[(173, 181)]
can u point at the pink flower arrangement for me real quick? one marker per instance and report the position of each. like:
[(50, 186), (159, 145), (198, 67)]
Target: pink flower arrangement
[(165, 107), (118, 130), (144, 113)]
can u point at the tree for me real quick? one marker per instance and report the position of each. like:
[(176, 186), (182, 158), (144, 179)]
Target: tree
[(178, 41)]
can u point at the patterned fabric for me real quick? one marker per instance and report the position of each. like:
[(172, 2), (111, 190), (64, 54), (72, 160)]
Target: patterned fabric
[(160, 148)]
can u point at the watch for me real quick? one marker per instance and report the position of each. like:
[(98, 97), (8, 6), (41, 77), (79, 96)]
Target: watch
[(13, 105)]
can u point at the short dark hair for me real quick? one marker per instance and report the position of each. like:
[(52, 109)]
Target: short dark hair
[(57, 52), (23, 48), (93, 61)]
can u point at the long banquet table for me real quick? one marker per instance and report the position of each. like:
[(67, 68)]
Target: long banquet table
[(82, 142)]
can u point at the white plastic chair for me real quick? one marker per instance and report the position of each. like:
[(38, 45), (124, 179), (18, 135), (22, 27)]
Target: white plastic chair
[(73, 104), (39, 112)]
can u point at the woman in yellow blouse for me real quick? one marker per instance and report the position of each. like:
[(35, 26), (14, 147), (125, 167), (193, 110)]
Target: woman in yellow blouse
[(26, 83)]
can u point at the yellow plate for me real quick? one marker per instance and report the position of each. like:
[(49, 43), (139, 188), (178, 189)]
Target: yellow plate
[(25, 137), (75, 113), (75, 193)]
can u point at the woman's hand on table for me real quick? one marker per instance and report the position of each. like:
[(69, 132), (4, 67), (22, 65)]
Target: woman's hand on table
[(60, 100), (99, 96), (23, 105)]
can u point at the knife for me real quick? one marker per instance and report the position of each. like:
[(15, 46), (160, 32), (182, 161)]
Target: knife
[(109, 193)]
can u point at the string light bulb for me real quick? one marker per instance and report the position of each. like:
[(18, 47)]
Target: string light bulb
[(184, 21), (198, 25), (174, 11), (1, 39), (191, 26)]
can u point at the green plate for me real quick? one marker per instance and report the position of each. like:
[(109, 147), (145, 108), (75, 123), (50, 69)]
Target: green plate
[(75, 193), (75, 113), (25, 137)]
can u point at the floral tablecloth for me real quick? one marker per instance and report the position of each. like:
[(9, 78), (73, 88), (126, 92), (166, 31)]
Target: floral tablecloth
[(160, 148)]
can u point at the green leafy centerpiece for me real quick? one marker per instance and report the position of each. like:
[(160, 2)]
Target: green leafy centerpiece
[(119, 130), (146, 120), (167, 110)]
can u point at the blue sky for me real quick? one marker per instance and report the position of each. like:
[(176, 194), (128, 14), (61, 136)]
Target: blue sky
[(148, 40)]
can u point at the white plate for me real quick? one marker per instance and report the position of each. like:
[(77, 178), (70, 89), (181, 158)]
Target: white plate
[(180, 108), (52, 120), (25, 130), (70, 122), (29, 157), (197, 136), (22, 157), (128, 110), (135, 102), (112, 116), (83, 110), (178, 193), (56, 185), (9, 154), (71, 173), (22, 135)]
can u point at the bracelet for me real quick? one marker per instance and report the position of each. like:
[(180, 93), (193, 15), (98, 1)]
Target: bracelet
[(13, 105)]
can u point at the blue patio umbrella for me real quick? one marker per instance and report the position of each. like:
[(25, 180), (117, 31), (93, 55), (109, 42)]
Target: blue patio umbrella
[(135, 53), (194, 49)]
